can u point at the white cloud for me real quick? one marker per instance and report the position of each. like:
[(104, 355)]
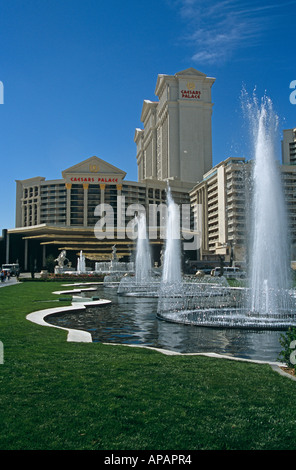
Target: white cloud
[(216, 29)]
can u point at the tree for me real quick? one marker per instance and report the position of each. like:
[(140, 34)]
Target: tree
[(50, 263)]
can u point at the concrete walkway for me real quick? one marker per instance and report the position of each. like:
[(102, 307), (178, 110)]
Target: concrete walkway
[(11, 282)]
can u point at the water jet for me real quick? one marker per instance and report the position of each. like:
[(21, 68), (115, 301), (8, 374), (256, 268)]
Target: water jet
[(267, 302)]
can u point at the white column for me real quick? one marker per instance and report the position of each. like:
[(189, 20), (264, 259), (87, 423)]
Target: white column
[(85, 203), (38, 212), (7, 248), (221, 205), (43, 255), (174, 146), (120, 213), (26, 255), (102, 188), (68, 207)]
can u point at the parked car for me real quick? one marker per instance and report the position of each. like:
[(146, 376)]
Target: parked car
[(229, 272)]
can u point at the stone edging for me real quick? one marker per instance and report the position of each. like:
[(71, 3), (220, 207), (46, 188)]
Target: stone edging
[(39, 316), (276, 366)]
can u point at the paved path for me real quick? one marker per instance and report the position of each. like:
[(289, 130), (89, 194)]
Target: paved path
[(13, 280)]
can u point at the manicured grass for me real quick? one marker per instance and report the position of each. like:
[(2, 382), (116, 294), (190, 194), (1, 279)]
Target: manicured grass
[(73, 396)]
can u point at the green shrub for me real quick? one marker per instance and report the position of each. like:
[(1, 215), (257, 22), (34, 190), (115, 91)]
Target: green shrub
[(288, 352), (50, 263)]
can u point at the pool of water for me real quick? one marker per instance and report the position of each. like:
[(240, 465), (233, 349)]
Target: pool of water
[(132, 320)]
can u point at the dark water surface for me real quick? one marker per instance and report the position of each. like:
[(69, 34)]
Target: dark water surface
[(132, 320)]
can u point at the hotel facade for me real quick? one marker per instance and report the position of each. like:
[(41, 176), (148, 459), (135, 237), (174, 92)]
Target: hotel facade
[(225, 196), (174, 146)]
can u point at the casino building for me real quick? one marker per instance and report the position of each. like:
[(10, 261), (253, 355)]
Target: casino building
[(225, 194), (174, 146), (55, 215)]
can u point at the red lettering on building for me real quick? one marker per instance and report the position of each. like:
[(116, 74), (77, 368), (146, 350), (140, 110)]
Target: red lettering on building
[(195, 94), (84, 179)]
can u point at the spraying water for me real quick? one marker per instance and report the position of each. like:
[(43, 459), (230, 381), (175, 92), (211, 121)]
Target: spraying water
[(81, 263), (269, 261), (143, 257), (268, 303), (172, 255)]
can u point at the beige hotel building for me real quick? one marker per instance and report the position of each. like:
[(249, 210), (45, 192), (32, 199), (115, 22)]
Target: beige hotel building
[(225, 194), (173, 146)]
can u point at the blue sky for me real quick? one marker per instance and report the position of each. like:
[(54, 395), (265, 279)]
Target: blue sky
[(76, 72)]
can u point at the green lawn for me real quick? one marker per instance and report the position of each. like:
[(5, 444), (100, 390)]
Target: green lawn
[(74, 396)]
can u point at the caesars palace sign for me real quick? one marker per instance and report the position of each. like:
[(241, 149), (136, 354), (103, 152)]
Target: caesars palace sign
[(189, 92), (94, 178)]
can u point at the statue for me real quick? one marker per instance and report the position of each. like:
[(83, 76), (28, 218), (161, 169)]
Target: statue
[(64, 265), (61, 259)]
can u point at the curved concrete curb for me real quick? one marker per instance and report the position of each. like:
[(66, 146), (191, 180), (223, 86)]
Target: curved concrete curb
[(210, 354), (280, 371), (73, 335), (276, 366), (74, 291), (39, 316)]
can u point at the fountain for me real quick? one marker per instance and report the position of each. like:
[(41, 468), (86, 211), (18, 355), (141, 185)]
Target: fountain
[(143, 283), (171, 273), (269, 259), (143, 257), (114, 266), (81, 263), (267, 303), (146, 283), (114, 269)]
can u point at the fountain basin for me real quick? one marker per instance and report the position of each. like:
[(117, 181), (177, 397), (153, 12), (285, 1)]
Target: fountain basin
[(129, 286), (221, 307), (230, 318)]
